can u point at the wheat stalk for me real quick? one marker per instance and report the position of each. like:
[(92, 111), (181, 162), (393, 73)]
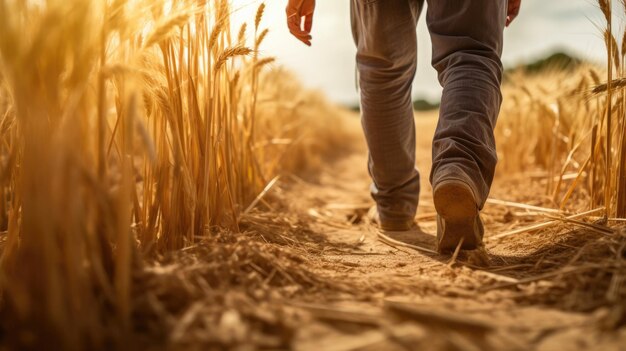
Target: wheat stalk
[(260, 38), (166, 27), (164, 112), (259, 16), (229, 53), (241, 37)]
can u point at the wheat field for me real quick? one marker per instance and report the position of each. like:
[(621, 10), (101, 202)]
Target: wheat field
[(131, 130), (128, 128)]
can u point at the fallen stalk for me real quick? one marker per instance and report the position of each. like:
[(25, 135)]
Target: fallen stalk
[(522, 206), (545, 224), (259, 197)]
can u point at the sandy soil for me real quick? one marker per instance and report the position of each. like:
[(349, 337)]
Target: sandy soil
[(559, 288)]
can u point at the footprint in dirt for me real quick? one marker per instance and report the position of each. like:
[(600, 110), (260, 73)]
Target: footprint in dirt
[(420, 240)]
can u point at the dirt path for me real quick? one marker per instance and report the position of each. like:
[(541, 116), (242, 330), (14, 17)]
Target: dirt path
[(308, 272), (512, 297)]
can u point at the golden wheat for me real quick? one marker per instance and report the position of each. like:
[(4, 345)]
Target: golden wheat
[(170, 156), (556, 123)]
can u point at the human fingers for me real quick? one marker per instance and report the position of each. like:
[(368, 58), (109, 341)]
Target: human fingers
[(512, 11), (308, 22), (294, 23)]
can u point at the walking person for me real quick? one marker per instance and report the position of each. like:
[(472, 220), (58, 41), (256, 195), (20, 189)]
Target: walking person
[(467, 40)]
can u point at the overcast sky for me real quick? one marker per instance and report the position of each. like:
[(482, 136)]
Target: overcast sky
[(542, 27)]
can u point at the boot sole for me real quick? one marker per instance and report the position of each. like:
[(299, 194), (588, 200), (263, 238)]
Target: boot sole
[(455, 204)]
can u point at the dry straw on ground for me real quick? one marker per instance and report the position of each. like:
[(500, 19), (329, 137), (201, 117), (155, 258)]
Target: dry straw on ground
[(127, 128), (134, 129)]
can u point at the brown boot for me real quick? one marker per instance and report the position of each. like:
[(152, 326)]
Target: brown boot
[(389, 226), (457, 217)]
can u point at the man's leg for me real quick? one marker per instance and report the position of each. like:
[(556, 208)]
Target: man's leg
[(384, 32), (467, 44)]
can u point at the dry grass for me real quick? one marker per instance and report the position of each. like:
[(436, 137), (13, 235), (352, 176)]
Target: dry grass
[(133, 129), (571, 124), (566, 131), (556, 126), (544, 127), (127, 128), (307, 130)]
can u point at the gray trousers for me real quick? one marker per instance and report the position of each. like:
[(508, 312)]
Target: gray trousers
[(466, 45)]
